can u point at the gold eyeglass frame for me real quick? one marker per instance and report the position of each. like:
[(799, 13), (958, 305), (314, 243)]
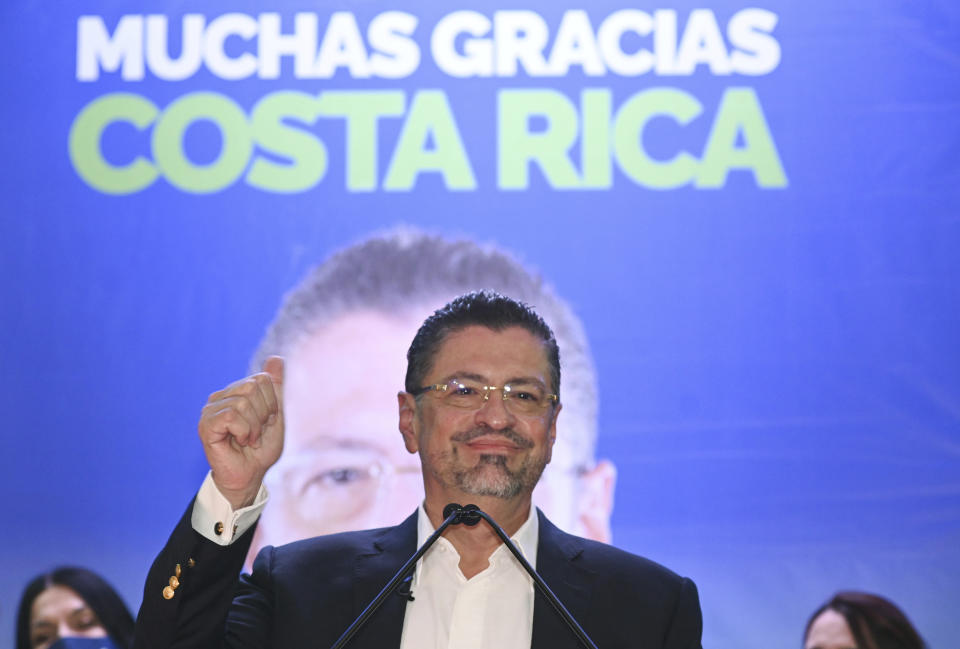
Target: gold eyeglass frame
[(505, 391)]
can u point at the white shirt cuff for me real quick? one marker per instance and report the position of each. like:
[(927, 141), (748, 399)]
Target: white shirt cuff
[(215, 519)]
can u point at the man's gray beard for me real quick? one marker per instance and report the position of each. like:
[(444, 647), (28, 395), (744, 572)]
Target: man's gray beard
[(505, 484)]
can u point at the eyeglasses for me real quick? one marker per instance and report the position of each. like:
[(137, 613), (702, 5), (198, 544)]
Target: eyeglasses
[(524, 398), (337, 486)]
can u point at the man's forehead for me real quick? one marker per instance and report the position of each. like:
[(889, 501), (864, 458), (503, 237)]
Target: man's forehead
[(342, 379), (409, 318), (360, 328)]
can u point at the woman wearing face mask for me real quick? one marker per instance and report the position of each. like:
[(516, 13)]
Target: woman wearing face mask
[(855, 620), (71, 602)]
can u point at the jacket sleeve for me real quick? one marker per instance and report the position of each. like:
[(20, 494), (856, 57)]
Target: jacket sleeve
[(189, 611), (686, 627), (251, 616)]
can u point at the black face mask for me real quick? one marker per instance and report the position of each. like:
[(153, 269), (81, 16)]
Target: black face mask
[(84, 643)]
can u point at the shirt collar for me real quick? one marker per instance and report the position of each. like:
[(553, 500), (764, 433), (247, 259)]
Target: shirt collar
[(526, 538)]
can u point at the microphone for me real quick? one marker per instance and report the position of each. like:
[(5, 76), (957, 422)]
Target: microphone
[(404, 590), (468, 515)]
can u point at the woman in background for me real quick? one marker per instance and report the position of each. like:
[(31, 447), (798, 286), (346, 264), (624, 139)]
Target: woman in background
[(71, 602), (854, 620)]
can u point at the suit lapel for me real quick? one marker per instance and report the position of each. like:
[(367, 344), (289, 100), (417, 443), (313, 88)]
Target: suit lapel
[(387, 553), (557, 555), (557, 563)]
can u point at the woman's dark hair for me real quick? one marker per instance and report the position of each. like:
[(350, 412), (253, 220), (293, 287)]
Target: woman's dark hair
[(875, 622), (93, 589)]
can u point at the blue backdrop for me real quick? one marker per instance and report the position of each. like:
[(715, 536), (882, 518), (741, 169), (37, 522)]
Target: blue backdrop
[(754, 211)]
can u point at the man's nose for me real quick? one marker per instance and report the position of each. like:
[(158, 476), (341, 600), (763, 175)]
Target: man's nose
[(494, 413)]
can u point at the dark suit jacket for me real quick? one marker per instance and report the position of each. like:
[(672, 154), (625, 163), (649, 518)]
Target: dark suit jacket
[(304, 595)]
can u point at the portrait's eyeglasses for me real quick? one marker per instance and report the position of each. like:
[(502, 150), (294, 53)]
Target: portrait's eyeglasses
[(336, 486), (524, 398)]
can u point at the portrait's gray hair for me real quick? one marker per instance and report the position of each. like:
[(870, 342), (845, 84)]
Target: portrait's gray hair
[(404, 269)]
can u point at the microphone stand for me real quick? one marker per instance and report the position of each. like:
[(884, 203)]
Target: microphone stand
[(453, 514), (469, 515)]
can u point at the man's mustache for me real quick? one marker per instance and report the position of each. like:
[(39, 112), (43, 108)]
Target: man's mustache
[(508, 433)]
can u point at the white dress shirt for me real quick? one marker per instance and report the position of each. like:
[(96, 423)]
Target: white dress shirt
[(212, 512), (491, 610)]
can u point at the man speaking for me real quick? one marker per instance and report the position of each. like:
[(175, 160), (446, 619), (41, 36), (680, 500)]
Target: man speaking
[(480, 406)]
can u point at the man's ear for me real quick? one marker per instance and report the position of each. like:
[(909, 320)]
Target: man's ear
[(596, 501), (408, 413)]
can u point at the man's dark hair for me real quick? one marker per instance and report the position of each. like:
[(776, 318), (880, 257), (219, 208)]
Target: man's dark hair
[(486, 309), (874, 621), (92, 589)]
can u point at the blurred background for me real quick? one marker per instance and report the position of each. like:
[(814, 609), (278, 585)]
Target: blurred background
[(754, 211)]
